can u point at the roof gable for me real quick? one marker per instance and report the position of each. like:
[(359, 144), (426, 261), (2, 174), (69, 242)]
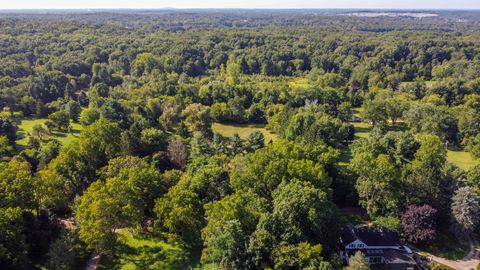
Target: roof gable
[(356, 243)]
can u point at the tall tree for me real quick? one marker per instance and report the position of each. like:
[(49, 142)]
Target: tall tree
[(466, 208), (377, 184), (357, 262), (419, 224)]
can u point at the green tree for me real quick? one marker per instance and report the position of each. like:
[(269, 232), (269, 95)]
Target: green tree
[(13, 248), (39, 132), (60, 119), (227, 249), (473, 177), (301, 213), (73, 109), (210, 182), (474, 147), (396, 106), (375, 111), (357, 262), (144, 64), (377, 183), (255, 141), (300, 256), (233, 71), (98, 215), (52, 190), (231, 220), (264, 170), (466, 208), (426, 176), (199, 146), (388, 222), (16, 185), (197, 118), (437, 120), (5, 147), (179, 212), (78, 161), (63, 252), (9, 129), (152, 140), (118, 202), (89, 116)]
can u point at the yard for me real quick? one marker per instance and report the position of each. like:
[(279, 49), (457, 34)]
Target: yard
[(447, 246), (26, 125)]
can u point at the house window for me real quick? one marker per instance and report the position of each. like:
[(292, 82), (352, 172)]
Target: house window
[(375, 260), (357, 245)]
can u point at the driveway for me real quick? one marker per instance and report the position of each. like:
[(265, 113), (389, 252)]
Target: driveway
[(468, 262)]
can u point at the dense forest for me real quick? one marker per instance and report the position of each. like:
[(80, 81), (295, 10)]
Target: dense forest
[(119, 153)]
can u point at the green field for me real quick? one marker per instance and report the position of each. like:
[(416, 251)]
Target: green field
[(26, 126), (133, 252), (460, 158), (362, 129), (243, 131)]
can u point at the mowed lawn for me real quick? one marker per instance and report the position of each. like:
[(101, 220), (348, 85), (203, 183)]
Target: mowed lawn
[(462, 159), (243, 131), (133, 252), (26, 126)]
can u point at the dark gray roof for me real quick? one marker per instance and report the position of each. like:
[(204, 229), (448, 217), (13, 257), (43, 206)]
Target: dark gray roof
[(370, 236), (398, 257)]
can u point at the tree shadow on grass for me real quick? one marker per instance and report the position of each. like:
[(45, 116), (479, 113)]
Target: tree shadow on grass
[(448, 246), (146, 257)]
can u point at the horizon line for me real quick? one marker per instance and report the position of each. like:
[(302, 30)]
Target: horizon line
[(241, 8)]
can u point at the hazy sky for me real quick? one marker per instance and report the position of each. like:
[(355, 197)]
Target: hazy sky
[(410, 4)]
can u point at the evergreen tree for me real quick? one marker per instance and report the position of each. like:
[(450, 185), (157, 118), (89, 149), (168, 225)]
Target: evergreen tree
[(466, 208)]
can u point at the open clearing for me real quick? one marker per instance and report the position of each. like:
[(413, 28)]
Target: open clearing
[(228, 130), (133, 252), (26, 126), (462, 159)]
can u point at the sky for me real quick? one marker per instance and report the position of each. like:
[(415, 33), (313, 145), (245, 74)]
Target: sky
[(142, 4)]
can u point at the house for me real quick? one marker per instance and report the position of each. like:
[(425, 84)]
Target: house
[(380, 246)]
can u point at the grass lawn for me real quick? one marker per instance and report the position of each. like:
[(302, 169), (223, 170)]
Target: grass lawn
[(460, 158), (26, 126), (132, 252), (447, 246), (243, 130), (362, 129)]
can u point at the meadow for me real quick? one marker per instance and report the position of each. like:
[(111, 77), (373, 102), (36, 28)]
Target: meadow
[(228, 130), (26, 126)]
